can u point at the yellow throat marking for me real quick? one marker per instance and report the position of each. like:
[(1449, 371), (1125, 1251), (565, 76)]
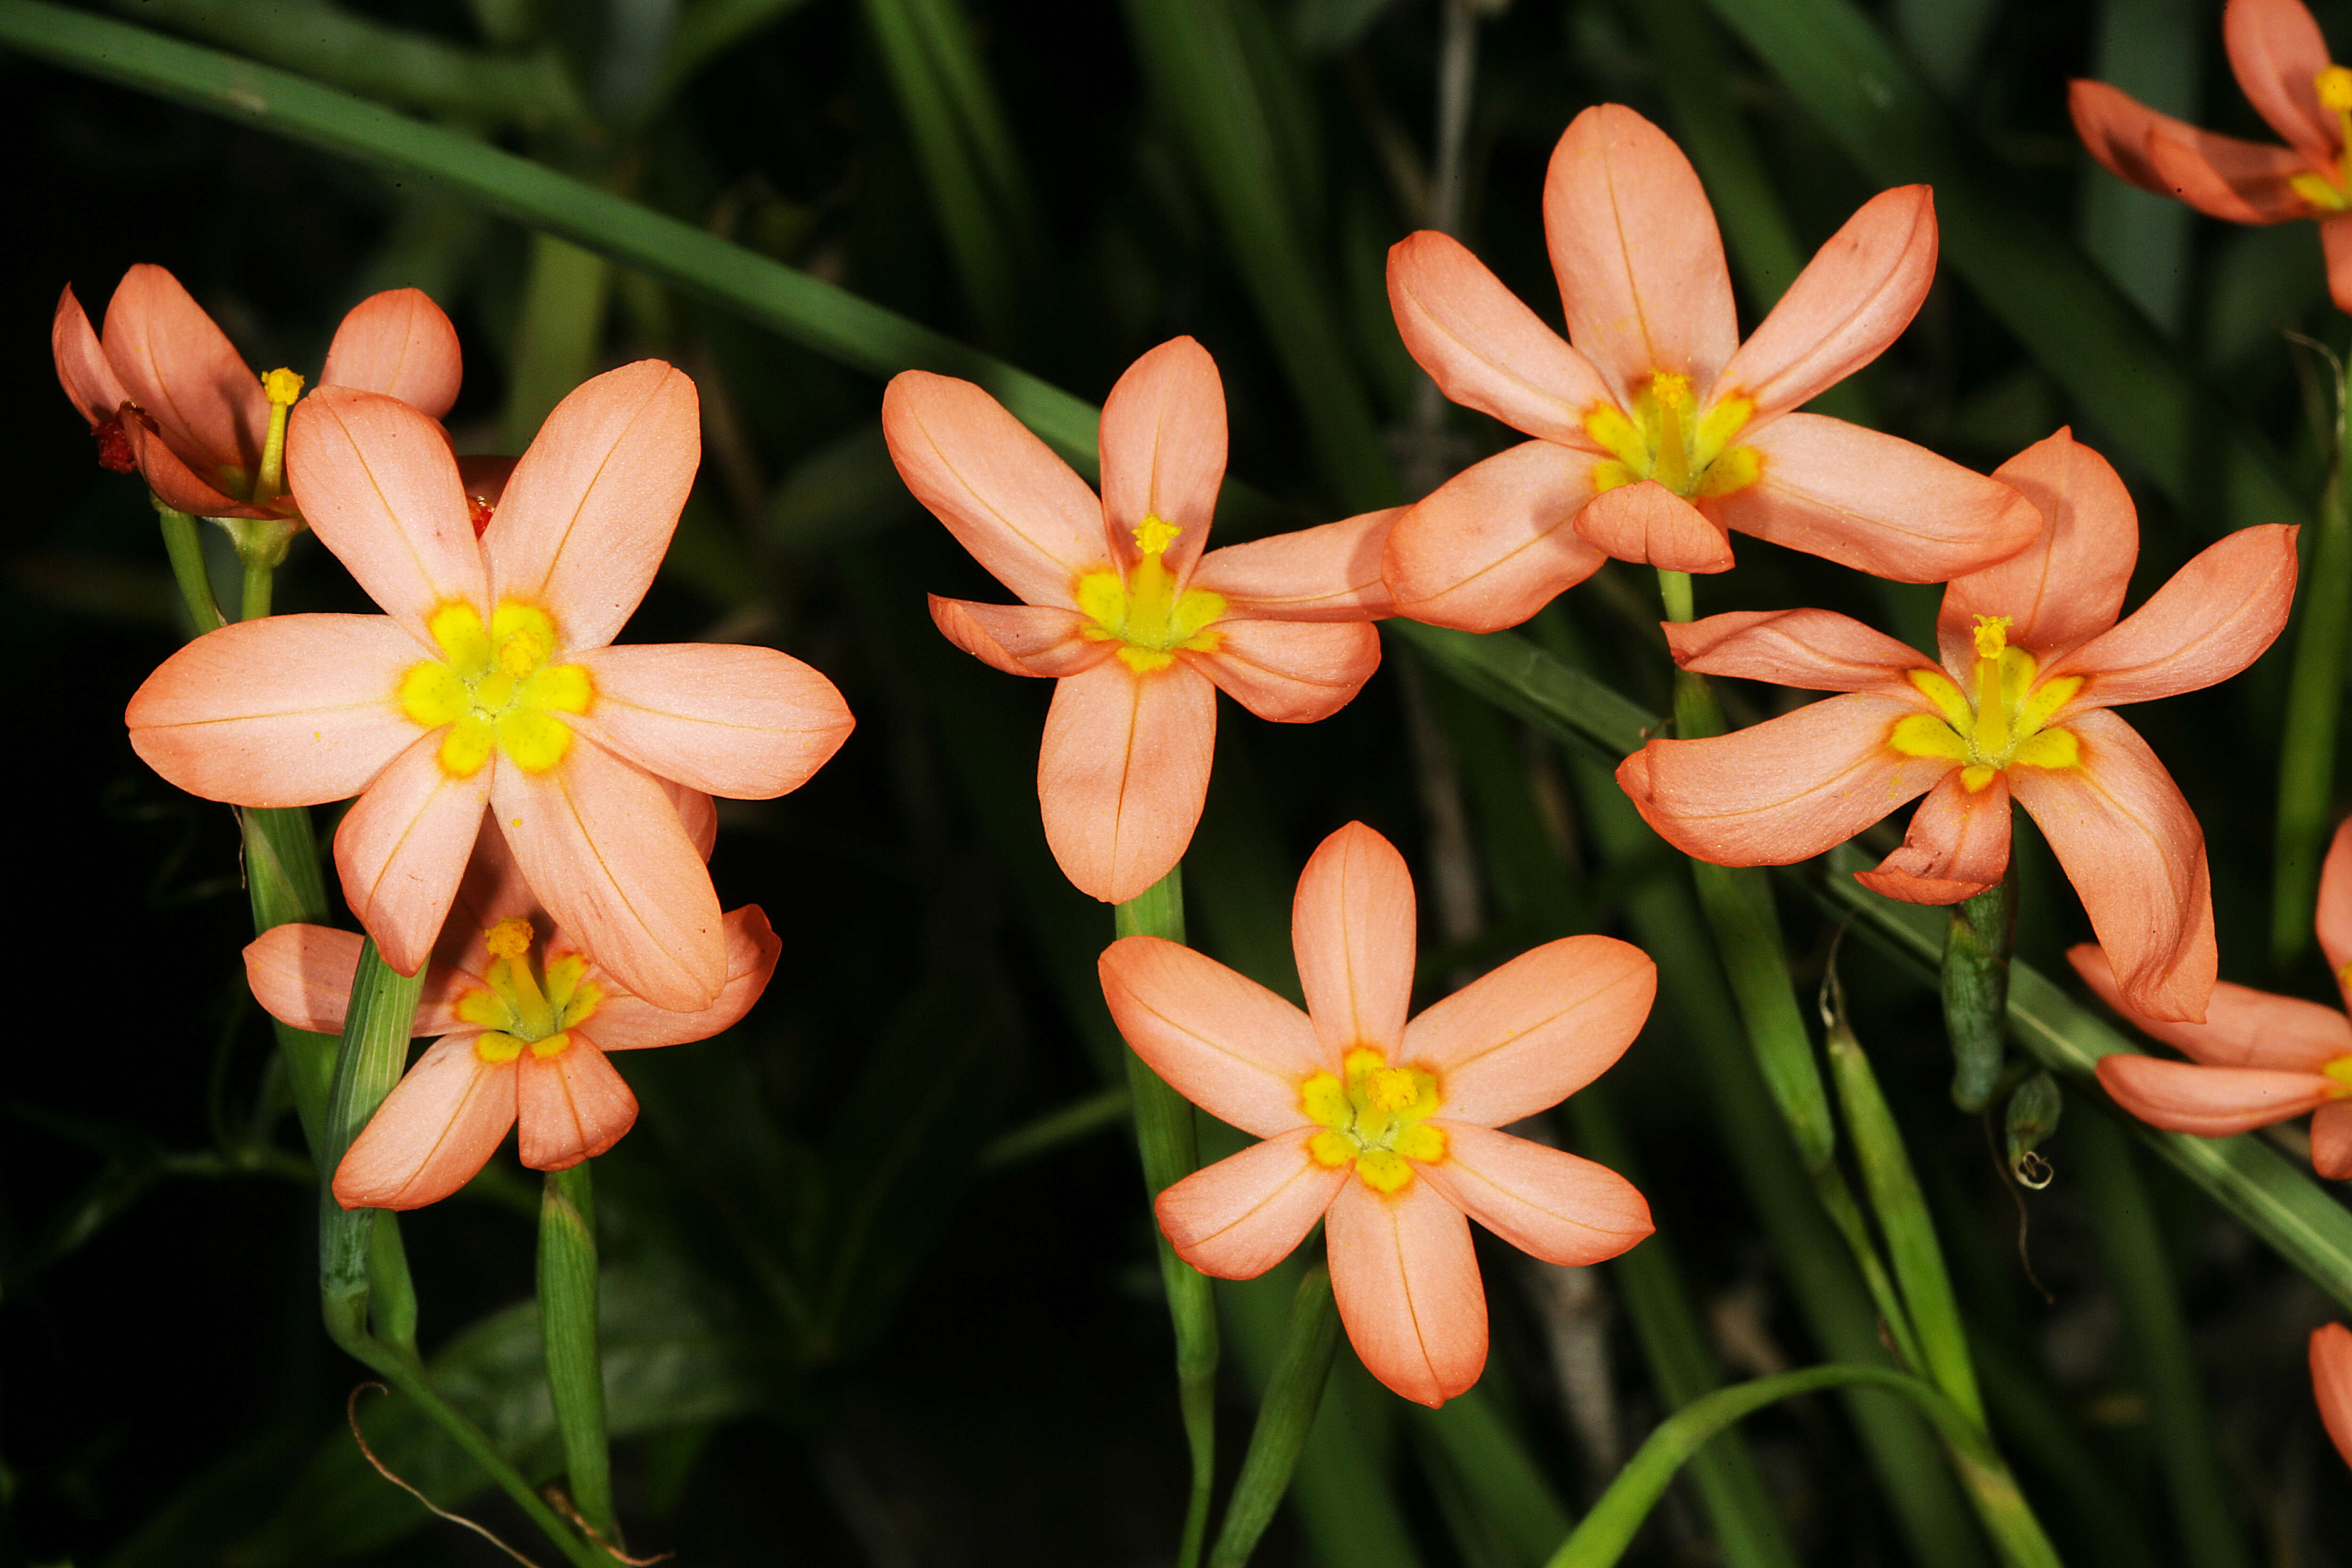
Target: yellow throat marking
[(2329, 194), (1669, 440), (495, 689), (516, 1009), (1378, 1118), (2006, 720), (1143, 612)]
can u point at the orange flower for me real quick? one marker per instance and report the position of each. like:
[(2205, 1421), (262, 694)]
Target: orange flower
[(1350, 1088), (1138, 628), (2282, 66), (491, 683), (525, 1018), (1658, 430), (166, 394), (2331, 1383), (2033, 659)]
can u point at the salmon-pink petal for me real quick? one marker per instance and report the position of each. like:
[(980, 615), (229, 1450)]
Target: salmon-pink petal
[(179, 367), (401, 848), (697, 812), (2221, 177), (2333, 920), (2336, 241), (1224, 1042), (602, 848), (1484, 347), (1352, 931), (2276, 53), (2067, 585), (1019, 509), (380, 488), (1813, 650), (285, 711), (1635, 249), (2331, 1140), (623, 1021), (82, 367), (588, 512), (1546, 1202), (400, 343), (180, 487), (1958, 846), (1293, 672), (1875, 502), (1239, 1218), (439, 1125), (1784, 790), (727, 718), (302, 974), (2244, 1028), (2133, 849), (493, 889), (1406, 1281), (1163, 451), (1123, 773), (1646, 524), (1332, 572), (2218, 615), (2331, 1383), (1855, 296), (2210, 1103), (1495, 542), (1523, 1038), (1022, 640), (570, 1106)]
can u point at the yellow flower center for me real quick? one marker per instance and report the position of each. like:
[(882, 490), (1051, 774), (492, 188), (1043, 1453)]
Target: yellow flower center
[(1668, 439), (2005, 721), (2340, 1070), (494, 689), (516, 1010), (1143, 612), (2331, 192), (1376, 1118)]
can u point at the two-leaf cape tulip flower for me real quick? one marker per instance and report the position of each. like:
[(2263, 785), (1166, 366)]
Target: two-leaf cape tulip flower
[(167, 394), (489, 682), (2257, 1058), (1381, 1128), (1655, 429), (2281, 62), (2034, 658), (1136, 626), (2331, 1383), (524, 1016)]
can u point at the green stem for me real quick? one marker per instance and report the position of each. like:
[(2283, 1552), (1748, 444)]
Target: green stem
[(1292, 1397), (185, 545), (1170, 1147), (255, 603), (2315, 698), (567, 1323), (1977, 944)]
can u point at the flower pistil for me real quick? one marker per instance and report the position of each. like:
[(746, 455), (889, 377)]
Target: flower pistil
[(515, 1009), (1378, 1118), (2005, 722), (1143, 612), (1669, 440), (496, 689)]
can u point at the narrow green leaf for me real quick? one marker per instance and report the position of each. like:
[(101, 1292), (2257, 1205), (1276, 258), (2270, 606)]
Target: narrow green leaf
[(1309, 1343), (2314, 706), (567, 1327), (373, 1051), (1519, 678), (560, 335)]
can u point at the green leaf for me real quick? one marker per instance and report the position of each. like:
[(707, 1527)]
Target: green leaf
[(1309, 1343)]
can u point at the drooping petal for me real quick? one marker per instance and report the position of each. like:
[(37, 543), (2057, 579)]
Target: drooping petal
[(2276, 53), (623, 1021), (588, 512), (2065, 587), (2244, 1028), (2331, 1383), (400, 343), (1407, 1285), (1813, 650), (2333, 920), (570, 1106), (2336, 241), (2132, 848), (602, 848), (1784, 790), (2210, 1103), (401, 848), (1292, 672), (82, 368), (1523, 1038), (1646, 524), (284, 711), (1239, 1218), (1330, 572), (749, 723), (1484, 347), (1019, 509), (1224, 1041), (2218, 615), (2222, 176), (1855, 296), (1635, 249), (1958, 845), (1123, 773), (1495, 542), (439, 1125), (1352, 930), (182, 370), (1022, 640), (1163, 451), (380, 488), (1545, 1202), (182, 488), (302, 974), (2331, 1140), (1875, 502)]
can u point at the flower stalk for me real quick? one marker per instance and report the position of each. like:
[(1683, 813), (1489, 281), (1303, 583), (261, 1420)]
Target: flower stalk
[(1977, 945), (567, 1323), (1310, 1343)]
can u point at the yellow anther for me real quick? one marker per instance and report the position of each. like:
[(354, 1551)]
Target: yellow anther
[(510, 938), (1669, 440), (1389, 1089), (2005, 721), (1992, 635), (281, 386), (2334, 85), (1153, 536), (495, 689), (1376, 1118)]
